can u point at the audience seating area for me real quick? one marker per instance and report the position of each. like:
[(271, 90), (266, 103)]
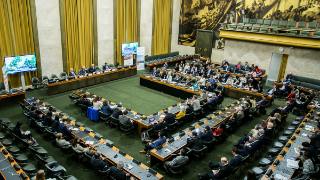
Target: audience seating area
[(306, 82), (289, 28)]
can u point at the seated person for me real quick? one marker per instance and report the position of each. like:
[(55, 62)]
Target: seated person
[(78, 148), (230, 81), (220, 96), (277, 118), (169, 117), (84, 101), (72, 73), (202, 70), (83, 71), (224, 63), (273, 90), (196, 85), (97, 104), (235, 70), (106, 108), (98, 162), (283, 88), (209, 72), (250, 79), (259, 88), (269, 130), (243, 79), (169, 77), (290, 77), (182, 112), (149, 146), (307, 166), (238, 83), (189, 109), (91, 69), (315, 138), (177, 78), (194, 68), (246, 66), (47, 121), (212, 82), (218, 78), (60, 141), (176, 67), (23, 135), (161, 75), (220, 129), (232, 120), (278, 110), (249, 147), (117, 172), (310, 149), (194, 141), (294, 94), (123, 119), (55, 124), (154, 72), (224, 77), (188, 81), (186, 67), (234, 162), (32, 113), (208, 87), (195, 102), (179, 160), (212, 102), (258, 71), (166, 66), (158, 125), (249, 86), (38, 110), (66, 132), (117, 112), (263, 101), (221, 174), (105, 66), (206, 135)]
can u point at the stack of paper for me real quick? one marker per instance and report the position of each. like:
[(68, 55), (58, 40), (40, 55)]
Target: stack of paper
[(75, 129), (309, 128), (89, 142), (27, 132), (292, 164), (279, 176)]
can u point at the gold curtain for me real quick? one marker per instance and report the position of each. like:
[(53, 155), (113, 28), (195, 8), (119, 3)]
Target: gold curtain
[(161, 30), (283, 67), (79, 33), (16, 35), (126, 14)]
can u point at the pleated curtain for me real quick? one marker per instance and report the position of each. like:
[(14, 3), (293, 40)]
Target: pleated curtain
[(78, 33), (16, 36)]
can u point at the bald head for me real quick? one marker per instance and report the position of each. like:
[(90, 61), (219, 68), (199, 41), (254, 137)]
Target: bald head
[(224, 160)]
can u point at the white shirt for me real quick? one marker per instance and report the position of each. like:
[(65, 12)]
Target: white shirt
[(97, 105), (203, 81)]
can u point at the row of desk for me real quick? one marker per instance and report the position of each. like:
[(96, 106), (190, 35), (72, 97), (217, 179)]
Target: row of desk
[(62, 86), (7, 169), (110, 152), (11, 99), (301, 134)]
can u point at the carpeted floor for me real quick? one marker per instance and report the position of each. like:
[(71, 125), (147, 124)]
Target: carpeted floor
[(140, 99)]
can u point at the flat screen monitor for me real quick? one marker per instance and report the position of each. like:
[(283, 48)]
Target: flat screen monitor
[(18, 64), (127, 48)]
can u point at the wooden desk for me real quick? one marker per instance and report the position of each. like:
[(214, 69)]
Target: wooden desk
[(11, 99), (9, 173), (100, 143), (67, 85)]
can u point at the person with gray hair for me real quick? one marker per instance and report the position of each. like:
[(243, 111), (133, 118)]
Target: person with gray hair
[(248, 145), (212, 101), (195, 103), (118, 173), (218, 174), (72, 73)]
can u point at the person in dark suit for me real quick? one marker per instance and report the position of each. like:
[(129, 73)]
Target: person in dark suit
[(169, 117), (83, 71), (98, 162), (250, 79), (72, 73), (23, 135), (278, 110), (209, 72), (177, 78), (269, 130), (62, 128), (202, 70), (259, 88), (105, 66), (212, 81), (189, 108), (179, 160), (118, 173), (234, 162), (33, 113), (38, 110), (195, 142), (91, 69), (117, 112), (246, 67), (290, 77), (176, 68), (215, 175), (212, 101), (249, 146), (149, 146), (47, 121), (206, 135), (315, 138), (154, 72), (161, 75), (158, 125), (283, 88), (123, 119), (227, 68), (310, 149), (166, 66), (263, 101), (224, 63), (225, 77), (84, 101), (208, 87), (55, 124), (235, 70)]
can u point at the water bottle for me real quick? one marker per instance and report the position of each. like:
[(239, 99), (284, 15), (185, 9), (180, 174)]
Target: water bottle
[(120, 103)]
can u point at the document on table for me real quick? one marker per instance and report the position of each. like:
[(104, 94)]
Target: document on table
[(89, 142), (309, 128), (279, 176), (27, 132), (304, 134), (75, 129), (292, 164), (296, 150)]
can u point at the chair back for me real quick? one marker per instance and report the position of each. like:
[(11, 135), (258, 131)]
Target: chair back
[(200, 152), (54, 76), (63, 74), (35, 80), (179, 168), (125, 127)]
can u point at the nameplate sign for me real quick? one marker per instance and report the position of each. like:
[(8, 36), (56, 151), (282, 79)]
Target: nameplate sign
[(98, 73), (89, 74)]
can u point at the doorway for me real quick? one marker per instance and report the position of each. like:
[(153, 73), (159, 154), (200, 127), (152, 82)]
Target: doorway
[(277, 68)]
